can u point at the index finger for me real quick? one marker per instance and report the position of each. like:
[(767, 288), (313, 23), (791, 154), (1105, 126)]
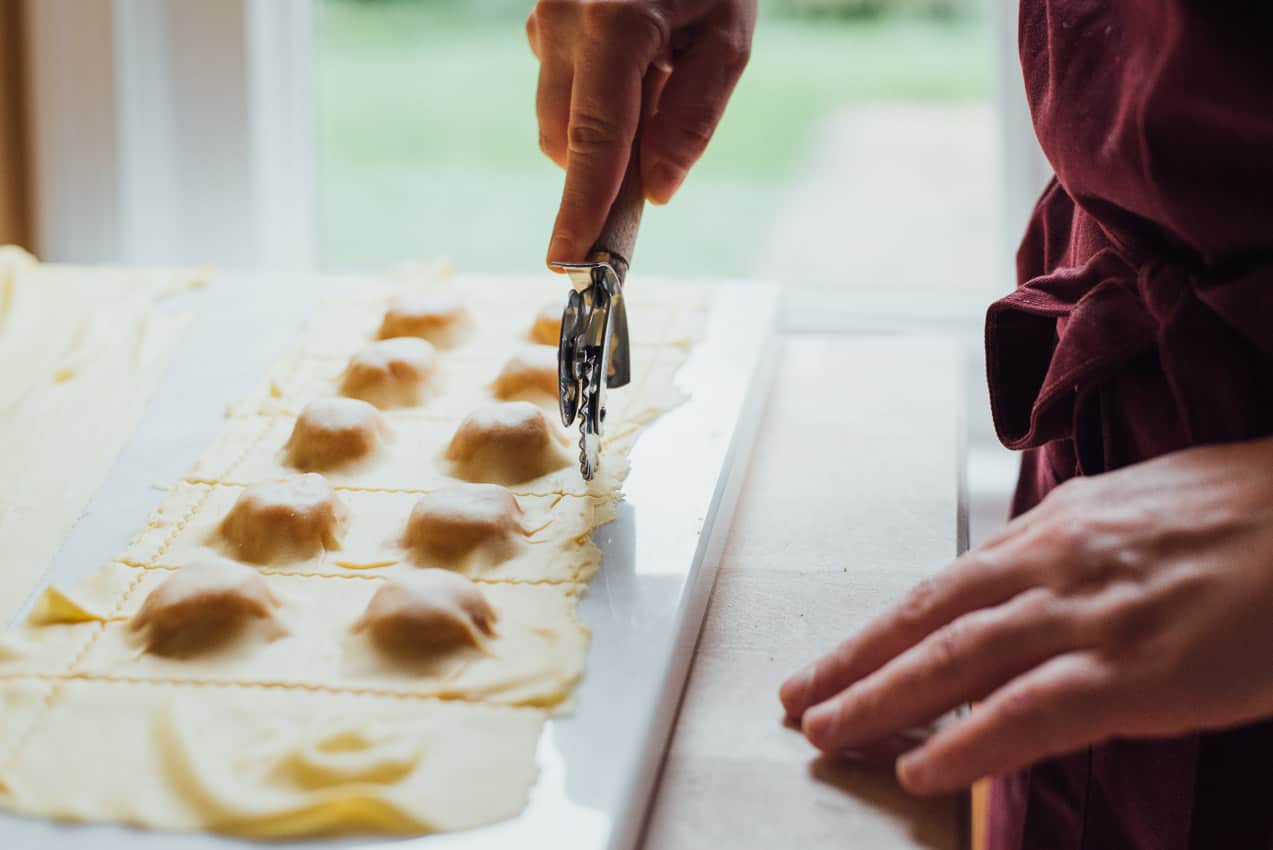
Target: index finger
[(605, 110), (979, 579), (1064, 704)]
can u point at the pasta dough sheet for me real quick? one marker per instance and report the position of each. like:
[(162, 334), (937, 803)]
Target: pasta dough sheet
[(90, 342), (555, 548), (662, 316), (535, 657), (251, 449), (296, 723), (23, 702), (265, 762), (453, 391)]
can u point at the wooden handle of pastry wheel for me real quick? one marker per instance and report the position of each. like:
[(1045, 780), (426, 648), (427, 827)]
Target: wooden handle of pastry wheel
[(619, 233)]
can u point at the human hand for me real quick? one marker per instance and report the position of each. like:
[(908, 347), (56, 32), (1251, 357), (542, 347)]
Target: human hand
[(1135, 604), (605, 65)]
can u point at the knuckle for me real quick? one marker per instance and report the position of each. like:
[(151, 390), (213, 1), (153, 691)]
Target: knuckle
[(734, 49), (1023, 707), (1135, 622), (981, 562), (948, 647), (637, 22), (1126, 560), (697, 126), (1190, 583), (1038, 604), (592, 133), (1072, 530), (1068, 491), (1074, 545), (865, 700), (552, 28), (1090, 569), (549, 14), (543, 22), (1124, 621), (918, 604), (687, 138)]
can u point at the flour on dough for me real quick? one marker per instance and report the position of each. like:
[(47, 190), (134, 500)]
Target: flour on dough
[(202, 606), (530, 374), (390, 373), (331, 433), (458, 522), (262, 763), (376, 537), (534, 658), (546, 329), (508, 443), (299, 722), (427, 615), (440, 318), (250, 449), (285, 520)]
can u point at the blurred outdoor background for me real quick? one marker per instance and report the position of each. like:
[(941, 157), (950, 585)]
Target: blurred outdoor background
[(859, 151)]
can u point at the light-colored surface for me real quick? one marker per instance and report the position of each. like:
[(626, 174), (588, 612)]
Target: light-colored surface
[(850, 499), (272, 766), (930, 200), (908, 190), (77, 344), (643, 607)]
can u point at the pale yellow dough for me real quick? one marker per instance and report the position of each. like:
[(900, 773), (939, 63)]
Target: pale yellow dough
[(555, 547), (297, 721), (204, 606), (535, 657), (423, 617), (252, 449), (462, 383), (390, 373), (264, 762), (23, 704), (511, 443), (668, 317), (77, 343)]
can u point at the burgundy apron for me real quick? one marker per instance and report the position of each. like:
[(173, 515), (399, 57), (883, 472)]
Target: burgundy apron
[(1143, 324)]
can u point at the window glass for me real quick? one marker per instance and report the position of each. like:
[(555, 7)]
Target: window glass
[(858, 150)]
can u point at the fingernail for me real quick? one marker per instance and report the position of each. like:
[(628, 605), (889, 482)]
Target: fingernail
[(794, 691), (819, 725), (667, 178), (559, 250), (912, 772)]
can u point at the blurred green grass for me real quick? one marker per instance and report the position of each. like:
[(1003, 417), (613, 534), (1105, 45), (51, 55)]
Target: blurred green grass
[(429, 139)]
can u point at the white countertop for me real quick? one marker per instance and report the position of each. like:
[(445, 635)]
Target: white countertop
[(852, 496)]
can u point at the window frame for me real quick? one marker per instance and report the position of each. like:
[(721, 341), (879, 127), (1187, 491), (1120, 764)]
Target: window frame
[(137, 106), (123, 130)]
